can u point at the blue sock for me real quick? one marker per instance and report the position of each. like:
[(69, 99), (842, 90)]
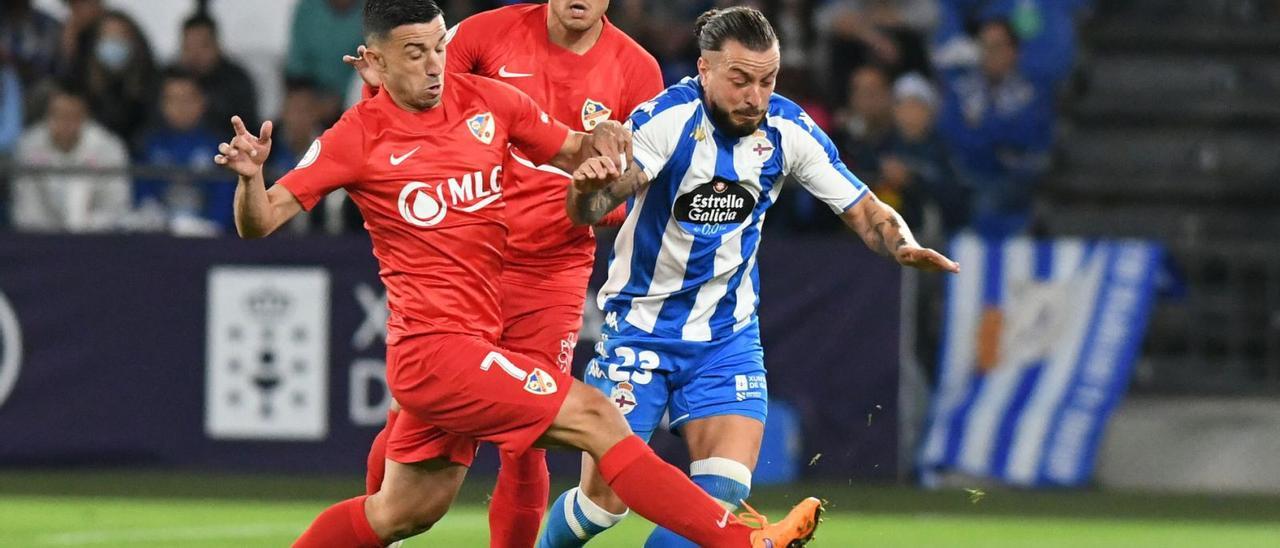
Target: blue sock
[(728, 481), (573, 519)]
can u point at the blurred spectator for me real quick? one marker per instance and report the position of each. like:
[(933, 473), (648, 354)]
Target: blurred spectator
[(31, 38), (891, 33), (10, 104), (119, 70), (866, 123), (194, 206), (321, 33), (82, 16), (999, 124), (74, 201), (227, 87), (1046, 30), (792, 20), (915, 170), (299, 125)]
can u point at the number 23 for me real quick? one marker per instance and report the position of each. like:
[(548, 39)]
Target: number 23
[(648, 361)]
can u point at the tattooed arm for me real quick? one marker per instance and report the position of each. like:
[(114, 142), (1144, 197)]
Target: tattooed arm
[(884, 231), (597, 189)]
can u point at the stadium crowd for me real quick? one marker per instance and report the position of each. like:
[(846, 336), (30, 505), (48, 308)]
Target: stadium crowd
[(946, 108)]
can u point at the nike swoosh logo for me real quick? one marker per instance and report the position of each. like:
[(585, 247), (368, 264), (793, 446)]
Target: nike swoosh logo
[(724, 520), (397, 160), (503, 73)]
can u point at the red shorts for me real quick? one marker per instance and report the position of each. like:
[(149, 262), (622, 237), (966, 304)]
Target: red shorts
[(542, 322), (460, 390)]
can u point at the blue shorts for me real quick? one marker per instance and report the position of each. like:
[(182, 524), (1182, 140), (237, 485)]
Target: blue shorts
[(647, 376)]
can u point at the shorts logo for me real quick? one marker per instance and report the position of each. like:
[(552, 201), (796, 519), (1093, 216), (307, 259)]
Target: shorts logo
[(10, 348), (540, 383), (481, 126), (623, 396), (419, 207), (740, 382), (594, 112)]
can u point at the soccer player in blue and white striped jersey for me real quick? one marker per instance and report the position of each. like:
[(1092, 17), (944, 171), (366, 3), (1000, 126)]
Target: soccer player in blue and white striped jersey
[(681, 334)]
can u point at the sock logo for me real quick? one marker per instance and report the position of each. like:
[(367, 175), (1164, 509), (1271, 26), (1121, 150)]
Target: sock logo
[(724, 520)]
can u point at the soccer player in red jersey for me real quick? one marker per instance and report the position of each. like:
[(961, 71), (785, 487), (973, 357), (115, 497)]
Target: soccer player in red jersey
[(422, 160), (581, 70)]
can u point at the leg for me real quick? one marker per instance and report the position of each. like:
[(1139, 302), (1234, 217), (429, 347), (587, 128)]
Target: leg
[(583, 512), (641, 395), (543, 324), (724, 449), (720, 412), (653, 488), (412, 499), (519, 499), (375, 465)]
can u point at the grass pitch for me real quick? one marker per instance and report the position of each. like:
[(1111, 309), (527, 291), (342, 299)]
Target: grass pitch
[(108, 509)]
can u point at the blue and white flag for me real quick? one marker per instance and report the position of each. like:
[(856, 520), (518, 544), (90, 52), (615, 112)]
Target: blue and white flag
[(1039, 342)]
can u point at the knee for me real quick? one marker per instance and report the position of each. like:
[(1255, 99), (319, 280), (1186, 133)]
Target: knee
[(590, 421), (401, 518)]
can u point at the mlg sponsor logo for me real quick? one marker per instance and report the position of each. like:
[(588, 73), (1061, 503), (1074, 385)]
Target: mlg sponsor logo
[(267, 372), (10, 348)]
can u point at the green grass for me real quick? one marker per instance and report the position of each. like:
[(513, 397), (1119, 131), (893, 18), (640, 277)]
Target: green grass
[(131, 509)]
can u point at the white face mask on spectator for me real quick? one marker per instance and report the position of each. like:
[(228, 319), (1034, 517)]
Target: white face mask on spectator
[(113, 53)]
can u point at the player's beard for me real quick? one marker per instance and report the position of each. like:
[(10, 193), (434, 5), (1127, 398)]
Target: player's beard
[(724, 122)]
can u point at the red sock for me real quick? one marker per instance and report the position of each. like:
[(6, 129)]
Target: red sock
[(376, 466), (667, 497), (519, 500), (343, 524)]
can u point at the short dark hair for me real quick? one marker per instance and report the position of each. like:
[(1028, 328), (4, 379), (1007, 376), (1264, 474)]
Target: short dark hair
[(200, 19), (380, 16), (172, 74), (744, 25)]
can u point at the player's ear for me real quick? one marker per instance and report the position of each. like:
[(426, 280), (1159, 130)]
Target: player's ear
[(703, 67), (374, 55)]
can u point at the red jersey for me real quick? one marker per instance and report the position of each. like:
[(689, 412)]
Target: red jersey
[(429, 185), (512, 44)]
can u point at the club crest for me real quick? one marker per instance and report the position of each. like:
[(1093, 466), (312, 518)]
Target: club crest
[(540, 383), (594, 112), (481, 126)]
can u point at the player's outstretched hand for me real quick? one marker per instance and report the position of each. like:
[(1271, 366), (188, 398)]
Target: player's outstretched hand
[(925, 259), (246, 153), (363, 68), (610, 138), (596, 173)]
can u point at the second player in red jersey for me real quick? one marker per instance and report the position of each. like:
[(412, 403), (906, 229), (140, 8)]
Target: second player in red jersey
[(582, 70)]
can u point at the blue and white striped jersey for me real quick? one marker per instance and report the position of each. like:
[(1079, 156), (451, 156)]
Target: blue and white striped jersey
[(684, 262)]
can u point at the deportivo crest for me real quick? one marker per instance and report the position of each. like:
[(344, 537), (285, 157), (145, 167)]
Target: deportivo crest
[(594, 112), (481, 126), (540, 383), (623, 397), (760, 145)]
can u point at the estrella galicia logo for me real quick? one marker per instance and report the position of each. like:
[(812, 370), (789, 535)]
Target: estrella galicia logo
[(714, 208), (10, 348)]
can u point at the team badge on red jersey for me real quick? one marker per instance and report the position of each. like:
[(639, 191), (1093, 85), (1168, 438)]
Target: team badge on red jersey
[(540, 383), (481, 126), (594, 112)]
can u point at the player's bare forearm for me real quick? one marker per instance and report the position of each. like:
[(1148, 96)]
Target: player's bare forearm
[(587, 205), (884, 231), (258, 211), (879, 226)]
